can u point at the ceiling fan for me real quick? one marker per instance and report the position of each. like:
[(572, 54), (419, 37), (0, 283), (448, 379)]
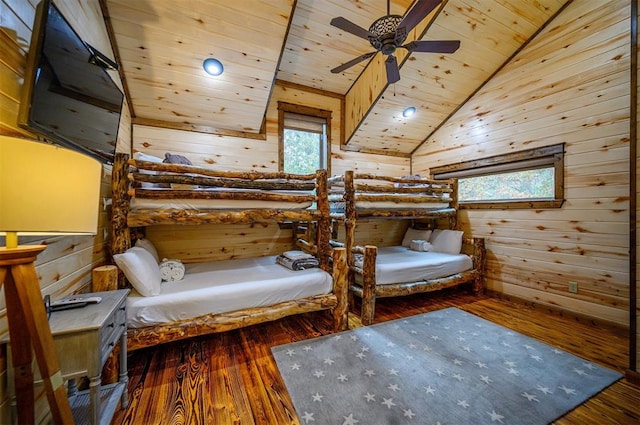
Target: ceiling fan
[(386, 34)]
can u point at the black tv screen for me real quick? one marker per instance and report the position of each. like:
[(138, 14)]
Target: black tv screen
[(69, 97)]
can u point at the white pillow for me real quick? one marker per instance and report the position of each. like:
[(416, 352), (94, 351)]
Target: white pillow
[(146, 244), (149, 158), (146, 157), (415, 234), (141, 269), (446, 241)]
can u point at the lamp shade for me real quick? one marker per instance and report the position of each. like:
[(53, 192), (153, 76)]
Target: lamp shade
[(46, 189)]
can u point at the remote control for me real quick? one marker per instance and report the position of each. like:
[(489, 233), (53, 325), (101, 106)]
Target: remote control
[(73, 302), (77, 300)]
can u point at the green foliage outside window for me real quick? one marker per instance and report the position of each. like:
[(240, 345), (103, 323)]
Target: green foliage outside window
[(301, 151), (529, 184)]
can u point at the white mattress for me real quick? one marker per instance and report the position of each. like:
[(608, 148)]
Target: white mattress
[(212, 204), (221, 204), (398, 264), (382, 204), (225, 286), (388, 205)]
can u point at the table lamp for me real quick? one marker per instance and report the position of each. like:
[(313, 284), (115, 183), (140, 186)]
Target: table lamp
[(44, 190)]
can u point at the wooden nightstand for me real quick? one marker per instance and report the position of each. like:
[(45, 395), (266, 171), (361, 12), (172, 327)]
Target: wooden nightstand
[(84, 338)]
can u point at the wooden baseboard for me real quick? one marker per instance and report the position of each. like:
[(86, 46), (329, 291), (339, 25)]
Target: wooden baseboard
[(612, 327), (632, 376)]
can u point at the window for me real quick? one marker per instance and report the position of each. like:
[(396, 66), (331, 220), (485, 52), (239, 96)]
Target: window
[(304, 139), (526, 179)]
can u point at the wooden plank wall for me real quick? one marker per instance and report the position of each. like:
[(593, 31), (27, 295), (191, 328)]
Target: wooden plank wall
[(570, 85), (65, 266), (236, 153), (636, 348)]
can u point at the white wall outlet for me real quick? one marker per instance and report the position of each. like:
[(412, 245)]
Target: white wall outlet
[(573, 287)]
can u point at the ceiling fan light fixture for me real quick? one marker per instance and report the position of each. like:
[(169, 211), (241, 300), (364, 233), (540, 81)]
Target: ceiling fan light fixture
[(213, 66), (387, 39), (409, 112)]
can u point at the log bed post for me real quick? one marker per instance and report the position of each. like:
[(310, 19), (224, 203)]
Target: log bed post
[(340, 289), (324, 224), (369, 285), (479, 253), (120, 236), (350, 215), (453, 219), (349, 226)]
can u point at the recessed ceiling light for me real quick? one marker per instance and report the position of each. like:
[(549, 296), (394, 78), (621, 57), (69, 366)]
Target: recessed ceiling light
[(213, 66), (409, 111)]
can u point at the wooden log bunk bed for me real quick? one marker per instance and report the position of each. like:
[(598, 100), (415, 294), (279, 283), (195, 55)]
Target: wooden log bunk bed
[(360, 195), (134, 206)]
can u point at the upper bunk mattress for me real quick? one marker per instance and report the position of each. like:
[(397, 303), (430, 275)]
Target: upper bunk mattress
[(388, 205), (370, 206), (399, 264), (224, 286), (220, 204)]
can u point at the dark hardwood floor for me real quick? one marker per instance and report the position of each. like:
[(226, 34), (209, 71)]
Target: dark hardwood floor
[(231, 378)]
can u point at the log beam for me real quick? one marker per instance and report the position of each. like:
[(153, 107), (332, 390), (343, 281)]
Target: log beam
[(214, 323)]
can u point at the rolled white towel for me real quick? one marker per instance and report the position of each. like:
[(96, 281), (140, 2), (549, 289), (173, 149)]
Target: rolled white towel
[(171, 270), (420, 245), (177, 273)]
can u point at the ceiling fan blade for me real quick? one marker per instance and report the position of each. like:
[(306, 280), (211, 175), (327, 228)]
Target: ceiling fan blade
[(393, 72), (352, 62), (417, 13), (436, 46), (348, 26)]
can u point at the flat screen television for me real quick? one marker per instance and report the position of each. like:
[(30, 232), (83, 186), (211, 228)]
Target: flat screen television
[(69, 97)]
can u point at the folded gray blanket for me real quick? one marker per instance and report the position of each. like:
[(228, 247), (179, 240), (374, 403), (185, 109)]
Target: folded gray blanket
[(297, 264)]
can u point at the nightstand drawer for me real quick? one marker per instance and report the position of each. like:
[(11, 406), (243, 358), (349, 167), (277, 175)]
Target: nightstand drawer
[(111, 332)]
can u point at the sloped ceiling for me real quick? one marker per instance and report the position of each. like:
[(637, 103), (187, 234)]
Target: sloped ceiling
[(162, 44)]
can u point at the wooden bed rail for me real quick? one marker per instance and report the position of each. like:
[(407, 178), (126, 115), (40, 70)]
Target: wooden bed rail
[(192, 182), (179, 169), (399, 190)]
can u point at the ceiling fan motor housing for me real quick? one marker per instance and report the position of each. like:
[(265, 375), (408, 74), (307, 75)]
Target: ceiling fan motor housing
[(387, 35)]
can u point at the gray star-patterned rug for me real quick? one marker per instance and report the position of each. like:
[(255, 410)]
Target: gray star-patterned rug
[(443, 367)]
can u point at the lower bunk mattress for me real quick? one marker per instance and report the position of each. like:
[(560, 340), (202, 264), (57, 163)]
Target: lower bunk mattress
[(224, 286), (399, 264)]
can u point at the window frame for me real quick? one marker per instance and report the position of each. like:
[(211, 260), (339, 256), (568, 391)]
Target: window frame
[(524, 160), (315, 114)]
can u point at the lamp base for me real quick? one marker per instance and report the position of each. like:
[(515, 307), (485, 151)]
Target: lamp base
[(28, 326)]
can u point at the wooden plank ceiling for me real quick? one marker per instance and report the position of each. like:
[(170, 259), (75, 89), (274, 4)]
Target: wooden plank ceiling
[(162, 44)]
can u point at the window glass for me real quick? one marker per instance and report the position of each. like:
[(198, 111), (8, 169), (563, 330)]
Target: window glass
[(529, 184), (527, 179), (303, 151), (304, 139)]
